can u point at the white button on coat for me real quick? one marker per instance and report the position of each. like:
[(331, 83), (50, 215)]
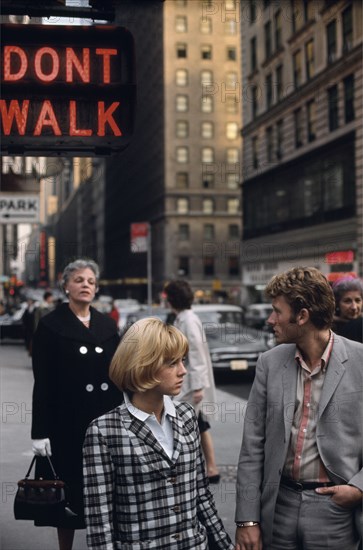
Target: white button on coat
[(89, 387), (104, 386), (83, 350), (98, 349)]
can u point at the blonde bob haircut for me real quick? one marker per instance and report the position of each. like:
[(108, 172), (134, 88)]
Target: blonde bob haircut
[(145, 348)]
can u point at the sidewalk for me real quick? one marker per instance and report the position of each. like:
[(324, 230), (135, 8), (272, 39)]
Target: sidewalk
[(16, 381)]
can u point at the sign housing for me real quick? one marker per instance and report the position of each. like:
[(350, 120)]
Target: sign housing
[(66, 89)]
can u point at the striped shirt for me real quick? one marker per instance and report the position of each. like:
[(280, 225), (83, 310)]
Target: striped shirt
[(303, 462)]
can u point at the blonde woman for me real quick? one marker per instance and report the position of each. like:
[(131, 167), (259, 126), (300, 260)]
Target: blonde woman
[(144, 477)]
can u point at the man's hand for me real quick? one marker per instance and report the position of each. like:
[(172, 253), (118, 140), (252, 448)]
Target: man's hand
[(346, 496), (197, 396), (248, 538)]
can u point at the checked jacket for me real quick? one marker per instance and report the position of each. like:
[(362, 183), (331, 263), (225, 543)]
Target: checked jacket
[(136, 497)]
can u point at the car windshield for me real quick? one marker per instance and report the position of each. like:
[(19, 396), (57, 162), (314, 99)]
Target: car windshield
[(219, 317)]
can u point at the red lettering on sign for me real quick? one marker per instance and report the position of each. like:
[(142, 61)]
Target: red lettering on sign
[(47, 118), (106, 52), (72, 60), (73, 130), (38, 64), (7, 116), (106, 116), (8, 75)]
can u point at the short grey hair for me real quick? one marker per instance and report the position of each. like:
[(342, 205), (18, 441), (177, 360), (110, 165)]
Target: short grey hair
[(76, 265), (346, 284)]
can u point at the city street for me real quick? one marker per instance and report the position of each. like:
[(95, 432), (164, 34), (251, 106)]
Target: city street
[(16, 388)]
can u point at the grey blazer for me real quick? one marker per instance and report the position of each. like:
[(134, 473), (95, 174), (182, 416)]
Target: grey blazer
[(268, 421)]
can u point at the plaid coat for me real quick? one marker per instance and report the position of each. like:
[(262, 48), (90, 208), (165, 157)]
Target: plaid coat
[(138, 498)]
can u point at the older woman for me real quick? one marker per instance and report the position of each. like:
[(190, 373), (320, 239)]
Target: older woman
[(145, 483), (348, 293), (72, 349)]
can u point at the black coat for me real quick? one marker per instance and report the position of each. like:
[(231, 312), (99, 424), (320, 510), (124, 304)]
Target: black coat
[(71, 388)]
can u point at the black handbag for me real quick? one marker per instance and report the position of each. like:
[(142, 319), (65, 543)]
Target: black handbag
[(40, 499)]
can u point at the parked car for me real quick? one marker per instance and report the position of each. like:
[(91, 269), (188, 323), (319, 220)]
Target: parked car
[(11, 325), (256, 315), (156, 311), (233, 346)]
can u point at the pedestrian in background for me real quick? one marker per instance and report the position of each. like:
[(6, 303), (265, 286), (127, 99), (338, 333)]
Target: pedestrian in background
[(348, 293), (72, 349), (145, 483), (198, 387), (114, 313), (46, 306), (300, 477)]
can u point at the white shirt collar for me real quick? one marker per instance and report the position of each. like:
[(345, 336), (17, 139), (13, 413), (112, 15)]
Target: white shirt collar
[(169, 408)]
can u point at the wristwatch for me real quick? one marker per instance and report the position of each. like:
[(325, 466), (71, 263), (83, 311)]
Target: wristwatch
[(247, 523)]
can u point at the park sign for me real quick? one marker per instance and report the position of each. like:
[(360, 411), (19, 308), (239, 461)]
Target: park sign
[(66, 89)]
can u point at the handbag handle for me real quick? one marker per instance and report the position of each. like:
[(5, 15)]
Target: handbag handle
[(50, 464)]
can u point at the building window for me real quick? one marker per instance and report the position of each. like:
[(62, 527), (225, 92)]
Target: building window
[(347, 29), (208, 206), (349, 98), (182, 129), (207, 104), (231, 130), (331, 41), (253, 11), (269, 143), (182, 155), (230, 27), (268, 40), (232, 180), (184, 232), (279, 138), (181, 24), (231, 53), (231, 80), (233, 265), (208, 232), (181, 77), (181, 50), (207, 154), (233, 231), (297, 15), (207, 179), (298, 121), (232, 155), (253, 49), (254, 101), (183, 267), (182, 103), (297, 68), (255, 152), (181, 3), (278, 29), (182, 180), (208, 265), (279, 82), (206, 78), (309, 59), (311, 116), (206, 25), (232, 206), (206, 51), (268, 84), (207, 130), (231, 104), (333, 108), (182, 206)]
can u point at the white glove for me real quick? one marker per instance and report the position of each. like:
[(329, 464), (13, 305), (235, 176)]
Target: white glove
[(41, 447)]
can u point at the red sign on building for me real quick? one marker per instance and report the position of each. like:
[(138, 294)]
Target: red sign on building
[(66, 89), (139, 237)]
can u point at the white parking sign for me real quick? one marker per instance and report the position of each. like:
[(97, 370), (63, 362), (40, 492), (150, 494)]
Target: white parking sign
[(19, 208)]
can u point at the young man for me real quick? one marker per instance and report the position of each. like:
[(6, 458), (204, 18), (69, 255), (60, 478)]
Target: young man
[(300, 478)]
